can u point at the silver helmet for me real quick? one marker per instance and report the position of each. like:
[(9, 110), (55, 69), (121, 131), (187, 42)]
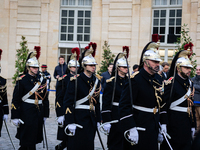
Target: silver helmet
[(74, 58), (183, 60), (33, 58)]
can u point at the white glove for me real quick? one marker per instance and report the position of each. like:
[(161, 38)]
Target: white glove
[(160, 138), (134, 136), (163, 128), (193, 132), (72, 128), (98, 125), (5, 117), (44, 119), (61, 120), (107, 127), (16, 122)]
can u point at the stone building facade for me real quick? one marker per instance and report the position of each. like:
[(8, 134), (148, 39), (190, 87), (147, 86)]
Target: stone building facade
[(57, 25)]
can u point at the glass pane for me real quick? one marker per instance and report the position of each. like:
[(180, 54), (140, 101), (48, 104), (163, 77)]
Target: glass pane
[(69, 50), (64, 13), (155, 22), (71, 13), (80, 2), (79, 37), (70, 29), (87, 13), (171, 30), (162, 21), (156, 13), (171, 21), (162, 30), (172, 2), (163, 13), (162, 38), (179, 2), (87, 30), (64, 2), (71, 2), (64, 21), (163, 2), (88, 2), (86, 37), (155, 30), (71, 21), (179, 13), (87, 21), (157, 2), (80, 13), (63, 37), (178, 21), (80, 30), (70, 37), (63, 29), (178, 30), (62, 51), (80, 21), (172, 13)]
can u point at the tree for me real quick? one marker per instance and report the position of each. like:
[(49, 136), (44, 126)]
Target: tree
[(182, 43), (108, 57), (20, 62)]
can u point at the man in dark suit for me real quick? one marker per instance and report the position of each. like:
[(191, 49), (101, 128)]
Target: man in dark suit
[(106, 75), (165, 70)]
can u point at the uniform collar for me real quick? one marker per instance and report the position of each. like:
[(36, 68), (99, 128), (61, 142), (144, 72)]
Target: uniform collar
[(183, 82)]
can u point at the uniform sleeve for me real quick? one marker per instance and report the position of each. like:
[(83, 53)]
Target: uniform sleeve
[(5, 102), (59, 98), (69, 102), (107, 100), (125, 107), (16, 100), (46, 104), (55, 73), (97, 108)]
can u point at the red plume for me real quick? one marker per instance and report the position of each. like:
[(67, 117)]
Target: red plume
[(126, 48), (156, 37), (94, 46), (87, 47), (77, 50), (190, 45), (37, 48), (0, 53)]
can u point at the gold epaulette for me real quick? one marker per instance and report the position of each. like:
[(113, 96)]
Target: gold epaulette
[(134, 74), (169, 81), (19, 78), (109, 80), (60, 78), (74, 77), (99, 77)]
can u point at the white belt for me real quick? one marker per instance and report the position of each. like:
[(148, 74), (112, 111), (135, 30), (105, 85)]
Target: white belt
[(115, 104), (32, 101), (181, 109), (145, 109), (83, 107)]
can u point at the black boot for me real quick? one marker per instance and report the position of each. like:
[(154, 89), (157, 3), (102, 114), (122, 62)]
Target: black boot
[(60, 146)]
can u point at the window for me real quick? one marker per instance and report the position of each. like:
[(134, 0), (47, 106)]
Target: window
[(166, 21), (75, 23)]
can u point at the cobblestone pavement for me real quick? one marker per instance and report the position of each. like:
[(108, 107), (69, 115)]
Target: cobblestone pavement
[(51, 129)]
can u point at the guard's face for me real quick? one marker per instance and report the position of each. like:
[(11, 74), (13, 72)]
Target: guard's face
[(43, 69), (185, 71), (34, 69), (154, 65), (73, 69), (124, 70), (91, 68), (198, 70), (110, 68)]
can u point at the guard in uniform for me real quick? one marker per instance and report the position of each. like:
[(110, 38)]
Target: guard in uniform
[(110, 112), (47, 75), (30, 105), (61, 89), (139, 116), (82, 103), (4, 110), (180, 110)]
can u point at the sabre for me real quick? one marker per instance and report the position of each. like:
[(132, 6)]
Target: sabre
[(45, 136), (101, 126), (9, 134), (165, 136)]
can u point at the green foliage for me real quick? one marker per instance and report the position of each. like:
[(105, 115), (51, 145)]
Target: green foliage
[(108, 57), (20, 62), (183, 40)]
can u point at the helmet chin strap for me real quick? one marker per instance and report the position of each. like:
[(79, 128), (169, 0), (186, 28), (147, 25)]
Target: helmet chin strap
[(32, 71), (121, 70), (155, 71), (182, 73)]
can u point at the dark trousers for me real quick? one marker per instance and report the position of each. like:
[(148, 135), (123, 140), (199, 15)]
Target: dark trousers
[(176, 146), (27, 147)]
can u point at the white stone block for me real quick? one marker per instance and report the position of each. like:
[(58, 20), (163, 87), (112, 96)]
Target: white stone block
[(120, 20), (120, 35), (125, 12), (29, 10), (26, 24), (120, 27), (120, 5), (28, 17), (29, 3), (30, 39), (27, 32), (120, 42)]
